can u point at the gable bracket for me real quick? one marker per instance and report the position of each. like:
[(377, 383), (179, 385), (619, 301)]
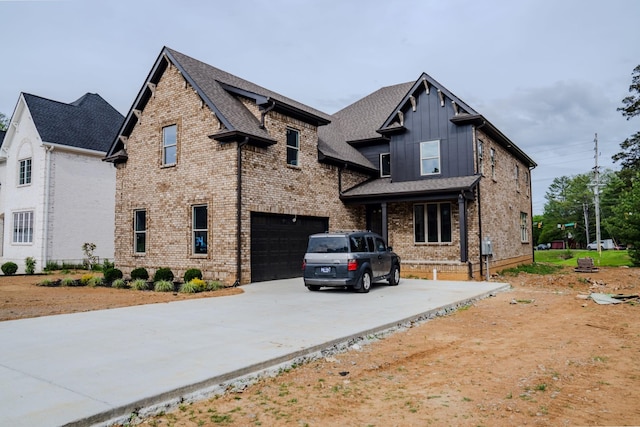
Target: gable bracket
[(426, 85), (456, 109), (124, 140), (152, 88), (413, 102), (138, 113), (401, 117), (441, 96)]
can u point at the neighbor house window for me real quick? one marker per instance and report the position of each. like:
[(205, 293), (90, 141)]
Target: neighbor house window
[(524, 230), (526, 181), (293, 147), (200, 229), (169, 145), (480, 157), (24, 172), (385, 165), (23, 227), (140, 231), (492, 158), (430, 157), (432, 223)]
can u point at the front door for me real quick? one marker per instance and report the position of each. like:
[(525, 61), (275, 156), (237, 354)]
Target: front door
[(374, 218)]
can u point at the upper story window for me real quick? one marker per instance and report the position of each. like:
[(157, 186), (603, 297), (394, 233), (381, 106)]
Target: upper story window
[(480, 157), (293, 147), (432, 223), (430, 157), (517, 177), (385, 165), (24, 172), (526, 182), (200, 229), (169, 145), (23, 227), (140, 231), (492, 158)]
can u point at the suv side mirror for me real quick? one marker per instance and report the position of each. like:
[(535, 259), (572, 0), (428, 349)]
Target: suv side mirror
[(389, 248)]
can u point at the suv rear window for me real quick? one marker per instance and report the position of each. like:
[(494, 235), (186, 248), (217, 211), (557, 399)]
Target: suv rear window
[(329, 244)]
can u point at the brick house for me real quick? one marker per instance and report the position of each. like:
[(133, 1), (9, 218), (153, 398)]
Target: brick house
[(55, 191), (217, 173)]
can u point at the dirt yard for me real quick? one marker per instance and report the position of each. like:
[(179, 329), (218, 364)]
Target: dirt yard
[(538, 355)]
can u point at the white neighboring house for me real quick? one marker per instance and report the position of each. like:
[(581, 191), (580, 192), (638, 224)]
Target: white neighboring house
[(56, 193)]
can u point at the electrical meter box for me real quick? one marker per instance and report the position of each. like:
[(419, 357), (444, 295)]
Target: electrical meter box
[(487, 247)]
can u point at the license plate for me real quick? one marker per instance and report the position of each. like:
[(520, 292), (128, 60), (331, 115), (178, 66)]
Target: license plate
[(325, 270)]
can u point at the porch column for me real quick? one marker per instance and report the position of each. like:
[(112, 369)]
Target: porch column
[(385, 230), (462, 215)]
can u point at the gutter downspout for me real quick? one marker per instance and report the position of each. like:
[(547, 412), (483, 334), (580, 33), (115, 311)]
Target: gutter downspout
[(239, 214), (475, 130), (265, 111), (48, 149)]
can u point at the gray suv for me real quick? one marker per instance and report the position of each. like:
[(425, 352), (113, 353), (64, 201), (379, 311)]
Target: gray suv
[(352, 259)]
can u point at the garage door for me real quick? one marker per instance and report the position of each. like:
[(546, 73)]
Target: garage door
[(278, 244)]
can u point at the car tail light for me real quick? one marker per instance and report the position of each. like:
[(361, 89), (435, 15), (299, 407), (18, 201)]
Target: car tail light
[(352, 265), (304, 264)]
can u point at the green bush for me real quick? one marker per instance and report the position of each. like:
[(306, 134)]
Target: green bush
[(30, 265), (119, 284), (94, 281), (9, 268), (213, 285), (106, 265), (52, 266), (139, 273), (140, 285), (163, 286), (112, 274), (163, 273), (48, 283), (192, 273), (68, 281)]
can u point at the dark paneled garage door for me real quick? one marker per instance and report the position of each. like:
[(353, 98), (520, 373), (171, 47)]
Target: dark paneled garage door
[(278, 244)]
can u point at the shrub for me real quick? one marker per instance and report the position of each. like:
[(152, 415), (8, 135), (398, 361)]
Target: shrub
[(30, 265), (52, 266), (213, 285), (112, 274), (139, 273), (163, 286), (106, 265), (193, 286), (9, 268), (163, 273), (94, 281), (119, 284), (68, 281), (192, 273), (140, 285), (48, 283), (84, 280)]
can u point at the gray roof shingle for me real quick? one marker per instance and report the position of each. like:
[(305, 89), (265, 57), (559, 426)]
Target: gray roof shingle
[(386, 187), (90, 122)]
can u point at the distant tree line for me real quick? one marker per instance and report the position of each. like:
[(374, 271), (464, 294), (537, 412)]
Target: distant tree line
[(569, 211)]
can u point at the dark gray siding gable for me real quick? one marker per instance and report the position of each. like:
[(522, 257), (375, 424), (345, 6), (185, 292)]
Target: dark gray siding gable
[(372, 152), (431, 122)]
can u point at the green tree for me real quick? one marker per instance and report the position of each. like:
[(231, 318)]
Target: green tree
[(626, 218), (629, 157), (4, 122)]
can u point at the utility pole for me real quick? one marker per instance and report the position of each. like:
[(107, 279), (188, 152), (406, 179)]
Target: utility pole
[(596, 192), (585, 210)]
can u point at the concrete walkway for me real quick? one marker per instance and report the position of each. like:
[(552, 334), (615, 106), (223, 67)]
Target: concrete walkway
[(94, 367)]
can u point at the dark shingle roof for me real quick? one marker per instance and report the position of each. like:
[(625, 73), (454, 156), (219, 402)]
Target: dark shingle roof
[(384, 187), (359, 121), (89, 122)]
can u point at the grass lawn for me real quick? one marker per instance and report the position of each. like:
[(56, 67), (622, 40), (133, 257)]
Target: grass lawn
[(570, 257)]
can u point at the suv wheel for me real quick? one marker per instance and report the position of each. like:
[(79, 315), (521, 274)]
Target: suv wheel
[(394, 276), (365, 282), (313, 287)]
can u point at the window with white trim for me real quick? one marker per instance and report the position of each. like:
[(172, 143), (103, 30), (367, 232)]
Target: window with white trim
[(524, 230), (200, 229), (430, 157), (432, 223), (140, 231), (24, 172), (385, 165), (293, 147), (23, 227), (169, 145)]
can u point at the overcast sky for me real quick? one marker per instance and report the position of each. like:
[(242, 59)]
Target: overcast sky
[(548, 73)]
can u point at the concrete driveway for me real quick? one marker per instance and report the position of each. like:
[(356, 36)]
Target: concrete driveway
[(97, 367)]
